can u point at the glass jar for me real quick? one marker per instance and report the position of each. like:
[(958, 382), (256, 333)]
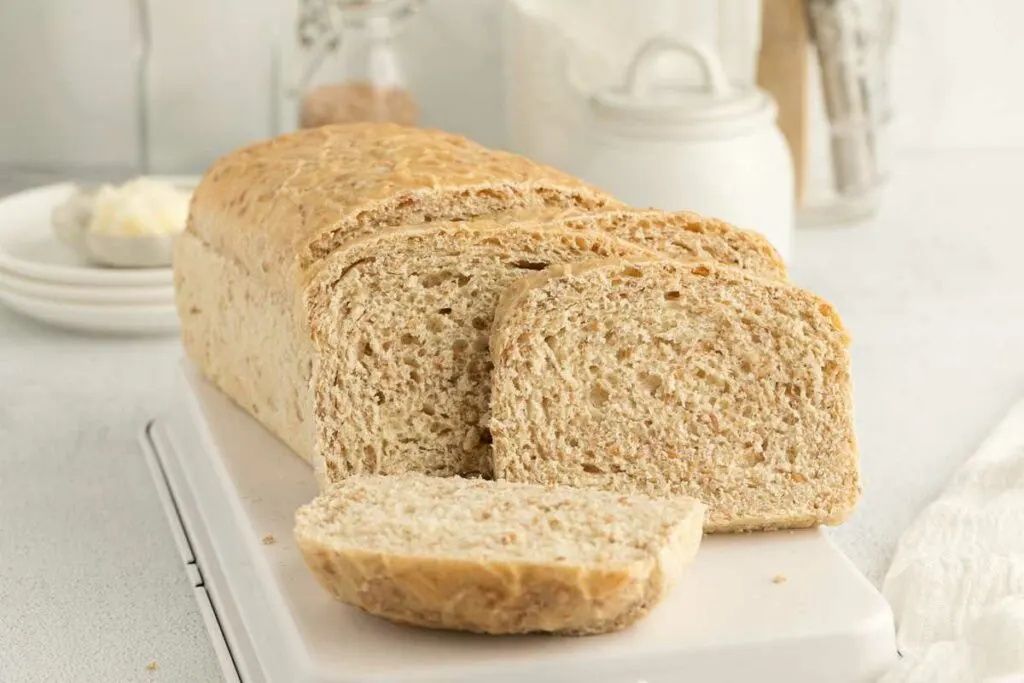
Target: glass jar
[(851, 108), (353, 69)]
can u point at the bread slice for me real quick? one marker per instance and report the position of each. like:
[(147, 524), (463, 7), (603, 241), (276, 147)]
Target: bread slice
[(683, 236), (402, 322), (684, 379), (495, 557)]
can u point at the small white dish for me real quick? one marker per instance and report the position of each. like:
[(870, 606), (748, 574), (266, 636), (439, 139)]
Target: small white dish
[(86, 294), (118, 208), (30, 248), (100, 318)]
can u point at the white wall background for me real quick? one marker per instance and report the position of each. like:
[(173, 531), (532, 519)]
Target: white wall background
[(69, 85)]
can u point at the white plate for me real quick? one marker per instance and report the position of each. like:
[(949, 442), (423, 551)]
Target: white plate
[(103, 318), (86, 294), (29, 248)]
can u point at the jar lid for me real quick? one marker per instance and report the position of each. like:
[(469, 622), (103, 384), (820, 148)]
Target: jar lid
[(712, 100)]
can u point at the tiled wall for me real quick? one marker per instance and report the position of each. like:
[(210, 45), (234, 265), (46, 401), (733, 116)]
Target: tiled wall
[(70, 87)]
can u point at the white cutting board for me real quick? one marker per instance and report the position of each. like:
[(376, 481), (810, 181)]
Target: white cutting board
[(784, 607)]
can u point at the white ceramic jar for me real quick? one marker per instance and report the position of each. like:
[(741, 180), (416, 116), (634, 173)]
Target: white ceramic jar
[(710, 149)]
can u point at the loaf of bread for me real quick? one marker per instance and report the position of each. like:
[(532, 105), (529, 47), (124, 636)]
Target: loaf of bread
[(286, 238), (264, 218), (670, 378), (495, 557)]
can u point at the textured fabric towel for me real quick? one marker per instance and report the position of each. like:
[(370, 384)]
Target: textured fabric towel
[(956, 584)]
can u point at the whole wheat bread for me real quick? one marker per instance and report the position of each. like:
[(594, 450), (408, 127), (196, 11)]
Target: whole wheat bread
[(267, 219), (495, 557), (671, 378), (265, 216), (402, 322)]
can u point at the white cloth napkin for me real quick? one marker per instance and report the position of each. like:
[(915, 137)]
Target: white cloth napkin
[(956, 584)]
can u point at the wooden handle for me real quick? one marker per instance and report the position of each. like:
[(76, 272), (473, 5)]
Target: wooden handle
[(782, 71)]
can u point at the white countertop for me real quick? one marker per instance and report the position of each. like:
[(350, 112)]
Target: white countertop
[(91, 586)]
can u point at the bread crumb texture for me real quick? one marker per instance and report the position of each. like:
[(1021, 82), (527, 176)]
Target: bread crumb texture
[(403, 323), (684, 379), (496, 557)]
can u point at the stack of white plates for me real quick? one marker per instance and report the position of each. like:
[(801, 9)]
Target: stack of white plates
[(42, 278)]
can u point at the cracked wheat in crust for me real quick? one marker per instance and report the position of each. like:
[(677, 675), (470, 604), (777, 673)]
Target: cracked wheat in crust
[(684, 379), (496, 557), (278, 207)]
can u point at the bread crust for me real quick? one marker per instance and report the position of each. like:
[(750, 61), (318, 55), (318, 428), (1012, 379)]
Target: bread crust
[(244, 336), (438, 590), (280, 206)]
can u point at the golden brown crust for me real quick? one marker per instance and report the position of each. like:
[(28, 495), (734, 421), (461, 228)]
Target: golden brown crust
[(244, 338), (279, 206), (442, 586), (482, 596)]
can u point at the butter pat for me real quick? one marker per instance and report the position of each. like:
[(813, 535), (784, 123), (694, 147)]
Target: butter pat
[(141, 207)]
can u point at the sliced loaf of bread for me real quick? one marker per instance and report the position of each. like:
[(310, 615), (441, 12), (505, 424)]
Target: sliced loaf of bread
[(264, 217), (403, 384), (672, 378), (495, 557), (402, 322)]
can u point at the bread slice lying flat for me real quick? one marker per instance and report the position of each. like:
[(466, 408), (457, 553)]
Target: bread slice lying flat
[(495, 557), (673, 378), (402, 375)]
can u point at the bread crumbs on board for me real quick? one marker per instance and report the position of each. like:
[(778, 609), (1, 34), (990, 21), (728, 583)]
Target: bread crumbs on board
[(269, 539), (778, 578)]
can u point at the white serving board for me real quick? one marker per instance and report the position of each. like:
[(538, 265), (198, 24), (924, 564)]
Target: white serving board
[(233, 486)]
